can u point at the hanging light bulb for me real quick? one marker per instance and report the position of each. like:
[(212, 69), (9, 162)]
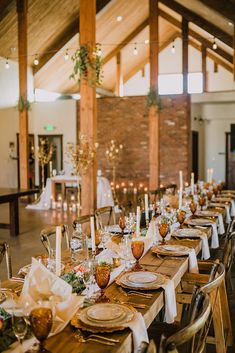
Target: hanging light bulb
[(66, 55), (7, 66), (99, 51), (214, 45), (173, 47), (135, 51), (36, 61)]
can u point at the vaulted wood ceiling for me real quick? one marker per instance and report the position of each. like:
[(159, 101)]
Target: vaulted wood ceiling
[(53, 27)]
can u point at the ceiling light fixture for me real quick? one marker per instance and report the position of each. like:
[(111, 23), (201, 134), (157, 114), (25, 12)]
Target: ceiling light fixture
[(135, 51), (230, 23), (146, 41), (99, 52), (36, 61), (173, 47), (214, 45), (66, 55), (119, 18), (7, 66)]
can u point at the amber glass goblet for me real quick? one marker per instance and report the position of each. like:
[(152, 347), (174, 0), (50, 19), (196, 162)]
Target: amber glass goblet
[(137, 248), (209, 195), (102, 277), (215, 190), (41, 320), (181, 217), (201, 201), (193, 207), (163, 231), (122, 224)]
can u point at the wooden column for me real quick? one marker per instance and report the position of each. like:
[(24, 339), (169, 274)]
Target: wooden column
[(23, 116), (88, 120), (234, 55), (154, 160), (119, 77), (204, 70), (185, 54)]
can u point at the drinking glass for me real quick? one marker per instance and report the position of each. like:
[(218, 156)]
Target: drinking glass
[(102, 277), (122, 224), (19, 325), (98, 238), (215, 190), (209, 195), (193, 207), (137, 248), (88, 276), (201, 201), (181, 217), (163, 228), (125, 250), (41, 320)]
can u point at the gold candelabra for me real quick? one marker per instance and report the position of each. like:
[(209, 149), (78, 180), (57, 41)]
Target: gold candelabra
[(82, 156), (113, 155), (45, 152)]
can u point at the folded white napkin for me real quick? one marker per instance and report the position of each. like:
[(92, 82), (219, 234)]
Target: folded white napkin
[(221, 224), (228, 217), (139, 330), (232, 208), (170, 301), (41, 282), (192, 261), (214, 237), (205, 247)]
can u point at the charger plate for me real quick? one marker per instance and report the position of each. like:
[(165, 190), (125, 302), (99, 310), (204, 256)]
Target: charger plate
[(188, 233), (141, 280), (199, 222), (170, 250)]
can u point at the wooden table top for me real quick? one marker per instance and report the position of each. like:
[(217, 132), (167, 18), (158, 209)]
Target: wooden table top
[(172, 267), (14, 192)]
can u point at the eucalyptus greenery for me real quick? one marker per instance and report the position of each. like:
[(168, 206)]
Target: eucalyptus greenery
[(23, 104), (153, 99), (75, 281), (84, 60)]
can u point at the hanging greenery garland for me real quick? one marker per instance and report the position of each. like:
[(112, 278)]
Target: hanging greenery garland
[(153, 99), (23, 104), (84, 62)]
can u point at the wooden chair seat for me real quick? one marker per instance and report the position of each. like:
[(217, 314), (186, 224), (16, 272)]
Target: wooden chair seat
[(5, 251)]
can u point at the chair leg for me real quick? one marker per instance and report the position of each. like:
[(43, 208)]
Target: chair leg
[(226, 315)]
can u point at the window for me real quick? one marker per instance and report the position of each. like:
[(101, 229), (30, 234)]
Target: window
[(173, 83)]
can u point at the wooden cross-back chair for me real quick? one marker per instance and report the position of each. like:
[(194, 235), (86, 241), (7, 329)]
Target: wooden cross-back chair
[(5, 251), (192, 337), (82, 220), (212, 284), (101, 213), (147, 347), (157, 194), (172, 188), (49, 232)]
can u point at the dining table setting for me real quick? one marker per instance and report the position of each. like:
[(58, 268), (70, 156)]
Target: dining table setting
[(108, 300)]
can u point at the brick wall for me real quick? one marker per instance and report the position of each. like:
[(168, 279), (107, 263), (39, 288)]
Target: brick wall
[(126, 121)]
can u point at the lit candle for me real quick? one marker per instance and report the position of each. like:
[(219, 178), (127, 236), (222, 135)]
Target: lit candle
[(135, 191), (180, 198), (146, 206), (192, 183), (58, 251), (74, 208), (92, 226), (65, 206), (124, 190), (181, 179), (138, 221)]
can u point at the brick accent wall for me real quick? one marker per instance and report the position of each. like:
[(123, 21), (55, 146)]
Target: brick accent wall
[(126, 121)]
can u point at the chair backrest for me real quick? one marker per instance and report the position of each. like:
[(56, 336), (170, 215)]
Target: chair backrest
[(47, 233), (193, 336), (5, 251), (215, 280), (228, 253), (100, 219), (82, 220), (157, 193), (172, 188)]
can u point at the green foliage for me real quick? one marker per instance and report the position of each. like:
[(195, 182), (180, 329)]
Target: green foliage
[(153, 99), (23, 104), (84, 61), (75, 281)]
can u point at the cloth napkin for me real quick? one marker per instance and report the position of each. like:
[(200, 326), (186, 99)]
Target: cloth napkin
[(170, 301), (228, 217), (205, 247), (41, 282), (192, 260), (221, 224), (214, 237), (139, 330), (232, 208)]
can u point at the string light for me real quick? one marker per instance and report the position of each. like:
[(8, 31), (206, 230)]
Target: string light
[(99, 52), (119, 18), (146, 41), (7, 66), (135, 51), (173, 47), (214, 45), (36, 61), (66, 55)]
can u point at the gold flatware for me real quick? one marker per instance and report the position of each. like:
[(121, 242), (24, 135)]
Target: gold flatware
[(135, 305), (96, 338), (105, 338), (140, 294), (84, 340)]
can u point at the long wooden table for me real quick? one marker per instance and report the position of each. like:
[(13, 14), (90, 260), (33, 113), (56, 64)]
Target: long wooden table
[(11, 196), (173, 267)]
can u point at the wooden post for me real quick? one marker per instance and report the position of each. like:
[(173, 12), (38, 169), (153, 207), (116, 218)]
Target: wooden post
[(23, 115), (88, 120), (154, 162), (185, 54), (204, 71), (119, 77)]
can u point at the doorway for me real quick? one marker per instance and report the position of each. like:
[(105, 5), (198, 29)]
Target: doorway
[(31, 161), (195, 137), (229, 164), (57, 156)]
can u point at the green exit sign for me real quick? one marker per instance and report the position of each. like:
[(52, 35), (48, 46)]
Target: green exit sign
[(49, 127)]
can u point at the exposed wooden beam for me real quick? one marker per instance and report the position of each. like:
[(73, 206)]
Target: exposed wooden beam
[(204, 68), (185, 54), (128, 39), (5, 7), (199, 21), (64, 37), (195, 35), (22, 8), (225, 8), (88, 118)]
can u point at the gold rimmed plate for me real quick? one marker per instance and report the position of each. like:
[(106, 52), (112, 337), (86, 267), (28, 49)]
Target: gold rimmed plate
[(136, 280), (170, 250), (199, 222), (188, 233)]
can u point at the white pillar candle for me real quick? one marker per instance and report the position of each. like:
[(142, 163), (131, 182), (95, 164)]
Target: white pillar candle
[(180, 198), (92, 225), (58, 251), (124, 190), (208, 176), (181, 179), (192, 183), (211, 174), (138, 221), (74, 208), (146, 206), (65, 206), (50, 169)]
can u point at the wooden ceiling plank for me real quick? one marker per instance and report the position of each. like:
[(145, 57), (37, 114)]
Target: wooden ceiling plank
[(199, 21), (196, 36), (5, 7), (225, 8), (66, 35)]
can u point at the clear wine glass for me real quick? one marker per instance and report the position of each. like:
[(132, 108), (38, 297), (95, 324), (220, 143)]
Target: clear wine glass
[(88, 276), (19, 325)]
